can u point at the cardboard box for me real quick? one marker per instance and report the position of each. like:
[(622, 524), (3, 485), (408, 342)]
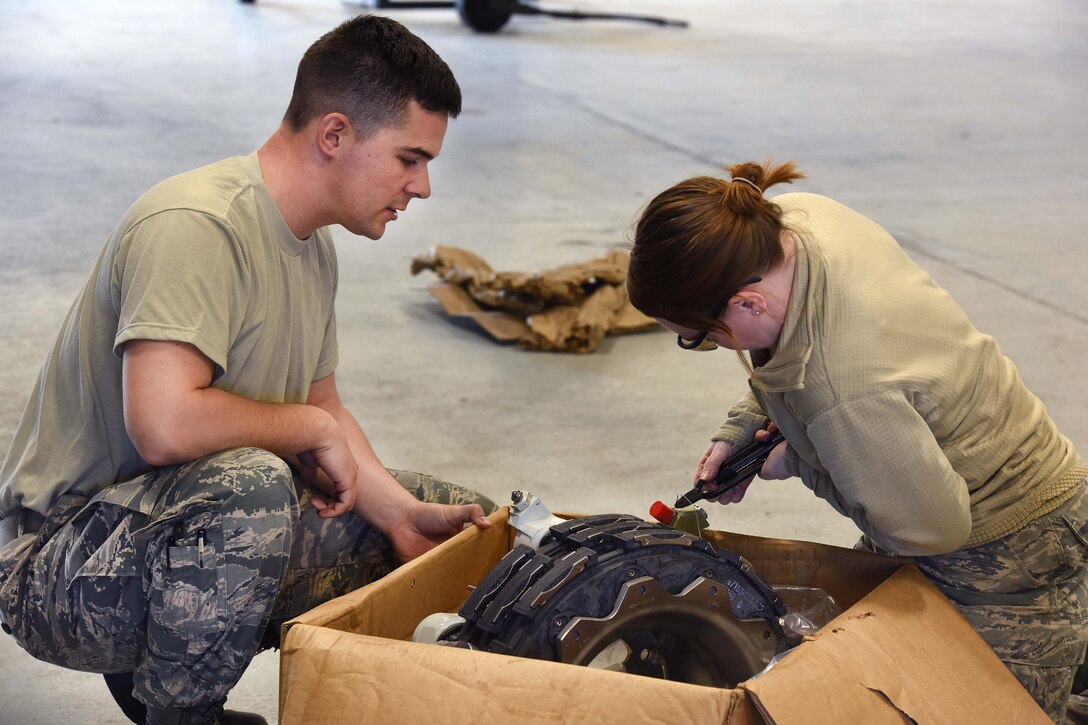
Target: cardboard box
[(899, 650)]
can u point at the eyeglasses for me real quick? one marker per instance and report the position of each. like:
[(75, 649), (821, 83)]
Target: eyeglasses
[(699, 342)]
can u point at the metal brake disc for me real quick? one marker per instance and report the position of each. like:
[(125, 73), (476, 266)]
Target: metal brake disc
[(617, 592)]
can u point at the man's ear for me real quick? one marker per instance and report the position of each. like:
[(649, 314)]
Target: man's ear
[(333, 129)]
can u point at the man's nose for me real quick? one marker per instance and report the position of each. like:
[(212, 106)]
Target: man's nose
[(420, 187)]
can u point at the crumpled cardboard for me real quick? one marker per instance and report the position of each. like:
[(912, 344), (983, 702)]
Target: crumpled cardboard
[(899, 652), (567, 309)]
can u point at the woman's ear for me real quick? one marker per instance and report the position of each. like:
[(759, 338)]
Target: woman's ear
[(750, 302)]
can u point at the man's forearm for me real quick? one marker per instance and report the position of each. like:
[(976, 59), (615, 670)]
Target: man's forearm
[(380, 499), (173, 414), (212, 420)]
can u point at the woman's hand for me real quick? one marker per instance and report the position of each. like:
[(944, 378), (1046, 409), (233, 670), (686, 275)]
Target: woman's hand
[(712, 460), (774, 467), (709, 465)]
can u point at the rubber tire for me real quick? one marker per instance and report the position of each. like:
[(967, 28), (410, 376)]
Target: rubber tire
[(500, 615)]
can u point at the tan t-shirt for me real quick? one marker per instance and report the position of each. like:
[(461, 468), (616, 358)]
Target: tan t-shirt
[(206, 258)]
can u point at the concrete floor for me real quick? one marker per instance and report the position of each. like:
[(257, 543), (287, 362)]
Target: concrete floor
[(957, 125)]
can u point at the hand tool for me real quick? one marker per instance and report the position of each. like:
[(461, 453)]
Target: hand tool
[(734, 471)]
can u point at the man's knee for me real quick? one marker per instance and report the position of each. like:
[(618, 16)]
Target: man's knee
[(260, 480), (255, 510), (433, 490)]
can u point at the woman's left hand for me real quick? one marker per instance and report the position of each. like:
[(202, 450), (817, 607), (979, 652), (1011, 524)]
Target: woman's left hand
[(774, 468)]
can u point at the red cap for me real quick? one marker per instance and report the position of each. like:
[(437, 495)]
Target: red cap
[(662, 512)]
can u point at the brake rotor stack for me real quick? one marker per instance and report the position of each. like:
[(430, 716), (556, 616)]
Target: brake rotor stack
[(617, 592)]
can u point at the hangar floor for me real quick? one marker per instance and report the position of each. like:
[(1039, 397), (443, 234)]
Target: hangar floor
[(959, 126)]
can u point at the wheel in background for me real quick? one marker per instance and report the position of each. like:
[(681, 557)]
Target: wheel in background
[(483, 16)]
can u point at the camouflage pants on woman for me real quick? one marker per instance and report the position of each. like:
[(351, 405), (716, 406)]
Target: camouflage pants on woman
[(176, 575), (1027, 595)]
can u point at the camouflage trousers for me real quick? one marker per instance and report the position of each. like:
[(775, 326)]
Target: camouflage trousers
[(176, 575), (1027, 595)]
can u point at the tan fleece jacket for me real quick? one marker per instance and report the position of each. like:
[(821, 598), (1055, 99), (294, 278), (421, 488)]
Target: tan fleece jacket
[(897, 411)]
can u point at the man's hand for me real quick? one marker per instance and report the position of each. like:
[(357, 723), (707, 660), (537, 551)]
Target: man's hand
[(429, 524), (331, 478), (412, 526)]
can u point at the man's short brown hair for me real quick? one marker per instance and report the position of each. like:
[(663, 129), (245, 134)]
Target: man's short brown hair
[(369, 68)]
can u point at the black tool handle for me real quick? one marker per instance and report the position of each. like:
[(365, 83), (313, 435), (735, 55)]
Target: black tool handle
[(735, 470)]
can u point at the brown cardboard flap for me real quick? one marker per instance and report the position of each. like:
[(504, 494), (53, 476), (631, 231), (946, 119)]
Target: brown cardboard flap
[(845, 574), (435, 582), (455, 300), (567, 309), (903, 650), (390, 682), (502, 326)]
